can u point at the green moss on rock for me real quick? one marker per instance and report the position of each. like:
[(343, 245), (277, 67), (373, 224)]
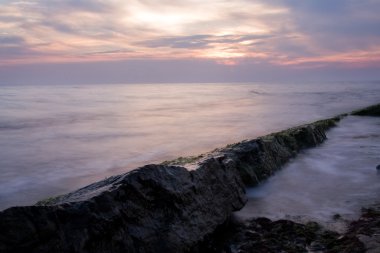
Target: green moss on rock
[(182, 160), (48, 201)]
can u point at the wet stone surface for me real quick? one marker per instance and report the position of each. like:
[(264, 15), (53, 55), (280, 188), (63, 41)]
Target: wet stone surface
[(263, 235)]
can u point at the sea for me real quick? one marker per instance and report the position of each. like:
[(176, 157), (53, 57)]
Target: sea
[(57, 138), (329, 184)]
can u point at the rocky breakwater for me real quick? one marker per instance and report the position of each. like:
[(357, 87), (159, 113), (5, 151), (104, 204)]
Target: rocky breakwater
[(153, 209), (373, 111), (171, 207), (258, 159), (264, 235)]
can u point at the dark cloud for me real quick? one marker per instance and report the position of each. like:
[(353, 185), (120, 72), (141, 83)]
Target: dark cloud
[(325, 7), (59, 26), (12, 47), (338, 25), (116, 51), (241, 38), (10, 40), (59, 15), (15, 47), (291, 47), (17, 52), (96, 6), (194, 41), (10, 19), (200, 40)]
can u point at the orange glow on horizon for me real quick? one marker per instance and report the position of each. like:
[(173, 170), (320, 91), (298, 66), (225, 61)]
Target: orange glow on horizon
[(218, 30), (358, 58)]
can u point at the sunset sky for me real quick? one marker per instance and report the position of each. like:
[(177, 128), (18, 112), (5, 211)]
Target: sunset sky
[(83, 41)]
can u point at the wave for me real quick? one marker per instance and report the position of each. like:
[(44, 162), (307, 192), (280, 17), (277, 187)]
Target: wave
[(59, 120)]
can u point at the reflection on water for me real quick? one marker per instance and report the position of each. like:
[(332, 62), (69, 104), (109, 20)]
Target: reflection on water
[(338, 177), (54, 139)]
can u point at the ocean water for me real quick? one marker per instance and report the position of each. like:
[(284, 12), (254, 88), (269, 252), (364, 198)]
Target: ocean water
[(54, 139), (338, 177)]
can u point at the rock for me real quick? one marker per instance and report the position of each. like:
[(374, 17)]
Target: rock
[(367, 228), (373, 110), (157, 208), (263, 235), (372, 243), (153, 209), (258, 159), (378, 167)]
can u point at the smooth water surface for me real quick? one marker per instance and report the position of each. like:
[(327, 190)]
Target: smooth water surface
[(338, 177), (54, 139)]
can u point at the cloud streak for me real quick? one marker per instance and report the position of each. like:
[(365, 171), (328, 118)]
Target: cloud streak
[(273, 32)]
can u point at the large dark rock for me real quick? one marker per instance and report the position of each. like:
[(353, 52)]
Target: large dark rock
[(157, 208), (153, 209), (373, 110)]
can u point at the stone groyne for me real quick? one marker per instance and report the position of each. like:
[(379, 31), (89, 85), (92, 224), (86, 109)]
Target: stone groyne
[(171, 207)]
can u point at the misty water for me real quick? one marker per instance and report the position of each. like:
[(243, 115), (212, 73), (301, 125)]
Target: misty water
[(338, 177), (54, 139)]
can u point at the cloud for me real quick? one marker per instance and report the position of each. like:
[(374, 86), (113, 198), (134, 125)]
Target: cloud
[(80, 28), (275, 32), (12, 46), (202, 41), (194, 41), (11, 40), (338, 25), (59, 6)]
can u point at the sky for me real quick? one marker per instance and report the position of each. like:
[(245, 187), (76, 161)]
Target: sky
[(115, 41)]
